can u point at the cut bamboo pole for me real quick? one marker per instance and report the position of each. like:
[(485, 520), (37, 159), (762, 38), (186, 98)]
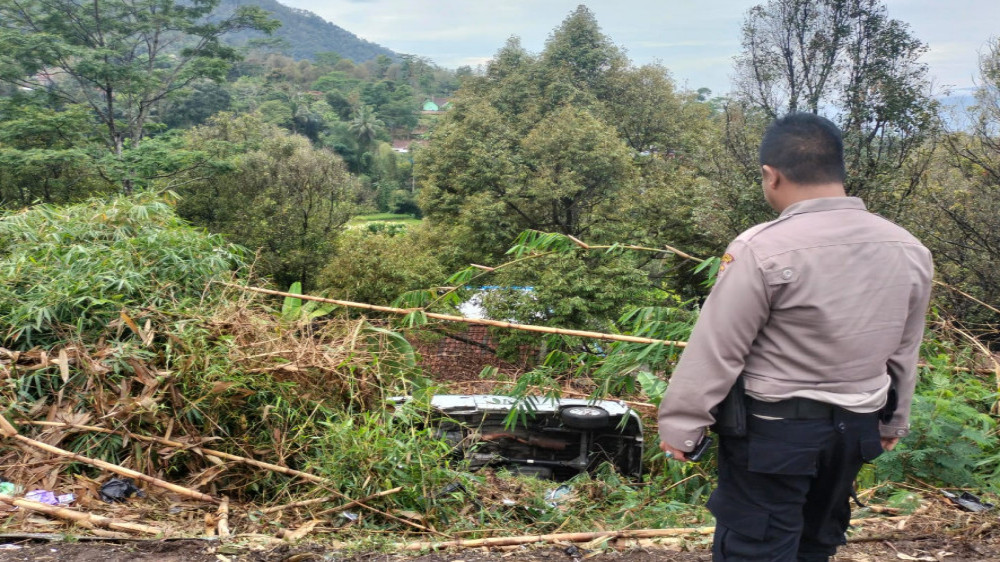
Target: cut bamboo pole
[(582, 537), (179, 445), (299, 533), (564, 537), (452, 318), (223, 516), (85, 519), (6, 428)]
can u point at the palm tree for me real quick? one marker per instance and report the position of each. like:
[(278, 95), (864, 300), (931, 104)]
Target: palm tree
[(366, 126)]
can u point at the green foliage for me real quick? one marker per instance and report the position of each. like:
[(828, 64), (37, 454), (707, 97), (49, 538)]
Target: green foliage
[(375, 267), (952, 437), (46, 155), (271, 191), (75, 271), (293, 309), (89, 55)]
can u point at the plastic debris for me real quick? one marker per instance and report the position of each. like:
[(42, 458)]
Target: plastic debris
[(65, 499), (119, 489), (558, 495), (42, 496), (968, 502), (350, 516), (10, 546), (8, 488)]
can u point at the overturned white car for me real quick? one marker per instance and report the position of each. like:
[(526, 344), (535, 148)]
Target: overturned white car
[(553, 439)]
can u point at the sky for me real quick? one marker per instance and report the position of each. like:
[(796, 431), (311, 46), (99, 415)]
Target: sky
[(695, 39)]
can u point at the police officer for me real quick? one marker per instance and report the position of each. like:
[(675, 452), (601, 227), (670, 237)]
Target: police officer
[(820, 313)]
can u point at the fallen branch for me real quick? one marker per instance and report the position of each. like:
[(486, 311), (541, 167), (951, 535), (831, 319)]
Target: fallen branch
[(451, 318), (8, 431), (84, 519)]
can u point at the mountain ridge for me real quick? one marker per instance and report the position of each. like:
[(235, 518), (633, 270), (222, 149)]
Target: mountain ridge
[(305, 33)]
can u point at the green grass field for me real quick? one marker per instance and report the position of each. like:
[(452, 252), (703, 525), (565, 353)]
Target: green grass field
[(362, 220)]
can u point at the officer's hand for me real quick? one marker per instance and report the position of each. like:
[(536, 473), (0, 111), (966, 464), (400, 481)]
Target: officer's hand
[(889, 443), (672, 453)]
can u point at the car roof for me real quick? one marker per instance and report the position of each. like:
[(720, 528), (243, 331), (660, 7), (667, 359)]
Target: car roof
[(455, 403)]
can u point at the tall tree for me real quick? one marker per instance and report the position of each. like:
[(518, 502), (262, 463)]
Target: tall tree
[(961, 220), (119, 58), (275, 192), (849, 60), (46, 155)]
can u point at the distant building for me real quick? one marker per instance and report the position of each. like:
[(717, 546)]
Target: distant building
[(404, 146), (436, 105)]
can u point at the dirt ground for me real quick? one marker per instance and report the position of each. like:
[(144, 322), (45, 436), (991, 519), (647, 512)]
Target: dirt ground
[(927, 539)]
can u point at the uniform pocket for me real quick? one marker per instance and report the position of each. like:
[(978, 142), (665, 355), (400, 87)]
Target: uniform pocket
[(740, 517), (769, 456)]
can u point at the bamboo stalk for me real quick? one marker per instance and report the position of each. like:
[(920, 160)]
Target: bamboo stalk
[(967, 295), (302, 503), (297, 534), (358, 502), (582, 537), (179, 445), (314, 501), (6, 428), (565, 537), (85, 519), (223, 515), (452, 318), (325, 482)]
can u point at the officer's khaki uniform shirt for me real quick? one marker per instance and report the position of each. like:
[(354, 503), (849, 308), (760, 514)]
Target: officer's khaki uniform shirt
[(826, 302)]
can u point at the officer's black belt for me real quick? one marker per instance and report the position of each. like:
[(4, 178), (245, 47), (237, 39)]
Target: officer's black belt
[(792, 408)]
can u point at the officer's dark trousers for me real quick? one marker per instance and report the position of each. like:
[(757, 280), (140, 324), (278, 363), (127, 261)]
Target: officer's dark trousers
[(784, 488)]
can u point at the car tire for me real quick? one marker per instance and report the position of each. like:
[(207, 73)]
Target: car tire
[(585, 417)]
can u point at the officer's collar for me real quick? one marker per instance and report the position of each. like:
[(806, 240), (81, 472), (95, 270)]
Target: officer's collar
[(824, 204)]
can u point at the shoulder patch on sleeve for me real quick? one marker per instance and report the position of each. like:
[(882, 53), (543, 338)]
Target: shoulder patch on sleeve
[(726, 259)]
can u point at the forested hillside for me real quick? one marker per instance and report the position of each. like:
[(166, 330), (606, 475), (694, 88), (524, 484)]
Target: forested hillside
[(154, 161), (303, 34)]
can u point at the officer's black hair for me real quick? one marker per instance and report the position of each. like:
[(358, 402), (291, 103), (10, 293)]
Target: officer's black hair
[(806, 148)]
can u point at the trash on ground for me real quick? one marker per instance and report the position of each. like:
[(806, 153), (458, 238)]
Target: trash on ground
[(558, 495), (968, 502), (42, 496), (119, 489)]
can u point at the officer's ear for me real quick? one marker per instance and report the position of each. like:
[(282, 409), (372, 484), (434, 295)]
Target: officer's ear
[(771, 177)]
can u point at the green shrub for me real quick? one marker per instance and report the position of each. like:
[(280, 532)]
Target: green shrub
[(74, 272)]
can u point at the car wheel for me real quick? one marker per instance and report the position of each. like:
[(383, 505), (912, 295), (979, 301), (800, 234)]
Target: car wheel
[(585, 417)]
